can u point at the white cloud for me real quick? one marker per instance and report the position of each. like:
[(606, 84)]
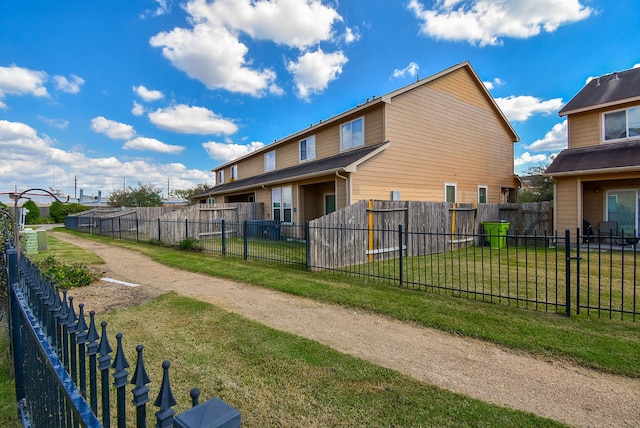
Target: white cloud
[(211, 51), (71, 86), (520, 108), (295, 23), (112, 129), (28, 162), (148, 94), (527, 158), (138, 109), (3, 105), (56, 123), (411, 70), (555, 139), (215, 57), (314, 70), (143, 143), (16, 80), (493, 83), (227, 152), (19, 138), (191, 120), (486, 22)]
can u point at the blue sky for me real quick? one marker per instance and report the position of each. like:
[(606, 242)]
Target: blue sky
[(101, 95)]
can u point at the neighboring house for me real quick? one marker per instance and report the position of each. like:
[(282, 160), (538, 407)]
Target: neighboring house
[(597, 178), (442, 138)]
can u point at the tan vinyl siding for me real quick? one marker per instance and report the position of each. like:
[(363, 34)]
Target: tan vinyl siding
[(566, 204), (327, 144), (437, 137), (584, 129)]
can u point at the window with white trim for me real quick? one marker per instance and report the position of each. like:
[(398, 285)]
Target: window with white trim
[(282, 204), (482, 194), (308, 148), (221, 176), (450, 192), (352, 134), (234, 172), (270, 161), (621, 124)]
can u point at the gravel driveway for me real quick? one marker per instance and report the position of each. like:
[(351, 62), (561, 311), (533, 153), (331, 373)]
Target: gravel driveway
[(554, 389)]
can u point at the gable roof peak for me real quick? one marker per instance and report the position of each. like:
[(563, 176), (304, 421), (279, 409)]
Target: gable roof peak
[(605, 91)]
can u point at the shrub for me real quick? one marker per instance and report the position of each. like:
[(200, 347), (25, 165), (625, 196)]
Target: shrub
[(190, 244), (33, 213), (67, 275)]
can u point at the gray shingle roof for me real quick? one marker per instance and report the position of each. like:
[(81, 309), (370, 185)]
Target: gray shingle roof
[(326, 165), (607, 90), (611, 157)]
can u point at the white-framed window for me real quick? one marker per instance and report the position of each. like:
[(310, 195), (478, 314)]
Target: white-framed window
[(308, 148), (234, 172), (450, 192), (621, 124), (482, 194), (282, 204), (352, 134), (221, 176), (211, 200), (270, 161)]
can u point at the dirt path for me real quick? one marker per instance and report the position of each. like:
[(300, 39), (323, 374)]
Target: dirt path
[(553, 389)]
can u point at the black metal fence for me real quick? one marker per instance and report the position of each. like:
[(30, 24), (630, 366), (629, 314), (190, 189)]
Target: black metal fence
[(596, 274), (63, 365)]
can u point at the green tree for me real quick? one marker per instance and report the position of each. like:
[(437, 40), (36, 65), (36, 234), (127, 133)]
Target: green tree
[(188, 194), (33, 215), (59, 211), (145, 195), (541, 187)]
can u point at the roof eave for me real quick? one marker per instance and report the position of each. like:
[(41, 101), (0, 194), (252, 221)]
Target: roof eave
[(621, 169), (564, 112)]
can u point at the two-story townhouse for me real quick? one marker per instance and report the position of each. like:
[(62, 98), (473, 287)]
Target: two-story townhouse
[(442, 138), (597, 178)]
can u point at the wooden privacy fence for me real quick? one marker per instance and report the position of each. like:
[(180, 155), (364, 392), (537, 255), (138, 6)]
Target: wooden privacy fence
[(360, 233)]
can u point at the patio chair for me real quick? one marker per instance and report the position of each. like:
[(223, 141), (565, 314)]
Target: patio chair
[(608, 231)]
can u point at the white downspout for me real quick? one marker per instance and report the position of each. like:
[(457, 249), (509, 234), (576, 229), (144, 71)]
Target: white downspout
[(347, 187)]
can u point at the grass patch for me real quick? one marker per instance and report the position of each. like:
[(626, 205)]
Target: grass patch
[(8, 409), (608, 345), (277, 379)]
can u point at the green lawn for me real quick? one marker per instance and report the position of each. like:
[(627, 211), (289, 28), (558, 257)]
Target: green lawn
[(277, 379)]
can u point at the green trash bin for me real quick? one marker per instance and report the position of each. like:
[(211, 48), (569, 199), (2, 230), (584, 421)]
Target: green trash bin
[(496, 233)]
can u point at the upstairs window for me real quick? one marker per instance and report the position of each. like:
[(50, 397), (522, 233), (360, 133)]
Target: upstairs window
[(352, 134), (221, 176), (234, 172), (270, 161), (622, 124), (308, 148)]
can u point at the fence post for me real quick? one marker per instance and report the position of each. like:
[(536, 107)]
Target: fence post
[(165, 400), (577, 259), (245, 233), (104, 364), (224, 238), (186, 228), (159, 240), (137, 230), (567, 247), (16, 344), (308, 244), (400, 260), (120, 364), (141, 391)]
